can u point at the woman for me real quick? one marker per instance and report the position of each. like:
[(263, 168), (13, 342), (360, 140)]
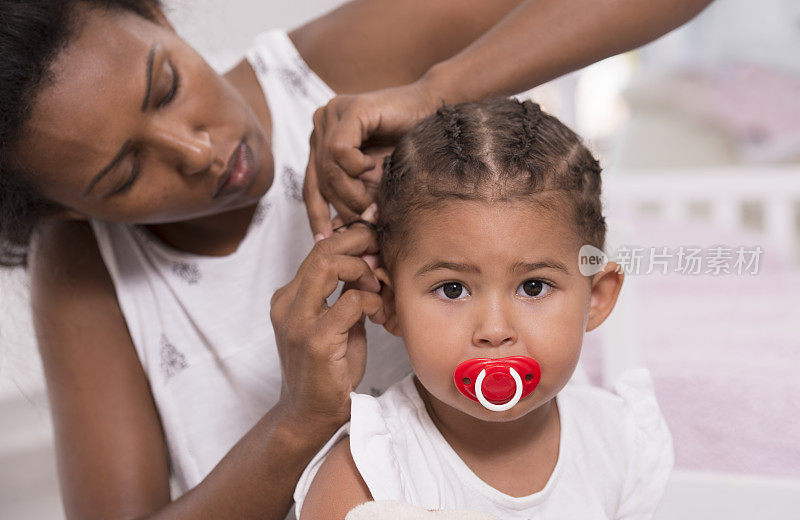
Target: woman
[(156, 347)]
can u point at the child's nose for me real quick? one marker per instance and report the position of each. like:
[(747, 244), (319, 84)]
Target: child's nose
[(494, 328)]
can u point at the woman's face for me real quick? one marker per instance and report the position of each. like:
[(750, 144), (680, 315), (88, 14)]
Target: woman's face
[(136, 127)]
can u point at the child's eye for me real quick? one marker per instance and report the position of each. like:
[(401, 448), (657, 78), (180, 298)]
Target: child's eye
[(452, 291), (533, 288)]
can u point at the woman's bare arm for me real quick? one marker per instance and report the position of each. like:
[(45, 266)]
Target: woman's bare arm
[(112, 458), (543, 39), (107, 431), (367, 45)]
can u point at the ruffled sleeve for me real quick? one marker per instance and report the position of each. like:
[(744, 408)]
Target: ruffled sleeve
[(652, 456), (371, 447)]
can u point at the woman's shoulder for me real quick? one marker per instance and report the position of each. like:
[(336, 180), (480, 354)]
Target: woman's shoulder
[(70, 284), (66, 251)]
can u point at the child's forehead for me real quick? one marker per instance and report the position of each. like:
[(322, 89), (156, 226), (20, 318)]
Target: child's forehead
[(492, 231)]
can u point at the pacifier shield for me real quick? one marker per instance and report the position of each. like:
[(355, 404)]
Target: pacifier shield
[(498, 384)]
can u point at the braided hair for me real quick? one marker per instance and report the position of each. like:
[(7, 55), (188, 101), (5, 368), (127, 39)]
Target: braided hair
[(32, 33), (495, 150)]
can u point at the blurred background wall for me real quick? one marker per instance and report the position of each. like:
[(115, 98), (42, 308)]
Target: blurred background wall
[(699, 134)]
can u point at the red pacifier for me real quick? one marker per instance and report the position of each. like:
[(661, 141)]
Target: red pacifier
[(498, 384)]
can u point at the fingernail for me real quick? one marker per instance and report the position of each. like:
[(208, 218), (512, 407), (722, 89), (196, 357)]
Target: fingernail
[(371, 260), (370, 212), (318, 237)]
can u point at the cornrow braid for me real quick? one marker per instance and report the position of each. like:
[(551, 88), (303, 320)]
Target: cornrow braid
[(531, 116), (495, 150), (390, 176), (452, 127)]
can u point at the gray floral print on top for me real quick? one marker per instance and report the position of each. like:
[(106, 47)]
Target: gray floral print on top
[(293, 183), (261, 212), (189, 273), (172, 360)]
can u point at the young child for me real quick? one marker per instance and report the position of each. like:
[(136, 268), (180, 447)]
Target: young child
[(483, 208)]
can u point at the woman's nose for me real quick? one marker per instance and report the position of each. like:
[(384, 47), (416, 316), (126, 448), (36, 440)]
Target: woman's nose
[(188, 148), (494, 327)]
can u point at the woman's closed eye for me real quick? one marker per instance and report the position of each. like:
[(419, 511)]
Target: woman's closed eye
[(451, 291), (131, 179), (174, 86), (534, 289)]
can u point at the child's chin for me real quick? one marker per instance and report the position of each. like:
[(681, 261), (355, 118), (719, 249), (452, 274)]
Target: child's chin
[(520, 409)]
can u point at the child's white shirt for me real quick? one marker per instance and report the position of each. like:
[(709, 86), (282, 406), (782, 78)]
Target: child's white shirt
[(615, 455)]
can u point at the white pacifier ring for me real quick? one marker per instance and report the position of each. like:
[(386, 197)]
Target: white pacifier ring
[(498, 407)]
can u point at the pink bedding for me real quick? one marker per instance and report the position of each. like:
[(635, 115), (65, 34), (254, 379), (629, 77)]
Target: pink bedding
[(725, 356)]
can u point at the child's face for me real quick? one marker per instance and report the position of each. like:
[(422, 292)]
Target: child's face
[(481, 280)]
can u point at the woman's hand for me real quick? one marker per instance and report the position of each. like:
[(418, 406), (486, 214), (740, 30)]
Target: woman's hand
[(350, 138), (323, 348)]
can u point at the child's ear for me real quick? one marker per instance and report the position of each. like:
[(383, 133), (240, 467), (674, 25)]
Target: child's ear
[(605, 289), (387, 295)]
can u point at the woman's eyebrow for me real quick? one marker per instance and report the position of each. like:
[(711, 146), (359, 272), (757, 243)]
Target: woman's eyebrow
[(108, 167), (149, 74)]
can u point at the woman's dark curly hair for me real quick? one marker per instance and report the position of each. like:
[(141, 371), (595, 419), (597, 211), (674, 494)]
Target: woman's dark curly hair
[(495, 150), (32, 33)]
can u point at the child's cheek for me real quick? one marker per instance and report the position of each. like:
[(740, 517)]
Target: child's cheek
[(557, 348), (436, 341)]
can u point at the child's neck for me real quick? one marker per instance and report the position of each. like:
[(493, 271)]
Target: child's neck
[(515, 457)]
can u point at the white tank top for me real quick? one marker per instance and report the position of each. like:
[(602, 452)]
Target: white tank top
[(201, 324)]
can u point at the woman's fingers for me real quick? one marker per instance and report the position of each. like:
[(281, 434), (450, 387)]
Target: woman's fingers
[(337, 222), (336, 161), (324, 277), (355, 241), (349, 309), (347, 195), (319, 213), (345, 135), (340, 164)]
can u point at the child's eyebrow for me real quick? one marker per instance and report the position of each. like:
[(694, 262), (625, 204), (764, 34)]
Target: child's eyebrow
[(519, 267), (454, 266), (524, 267)]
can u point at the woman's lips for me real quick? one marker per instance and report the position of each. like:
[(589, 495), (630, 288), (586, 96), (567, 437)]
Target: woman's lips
[(240, 172)]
